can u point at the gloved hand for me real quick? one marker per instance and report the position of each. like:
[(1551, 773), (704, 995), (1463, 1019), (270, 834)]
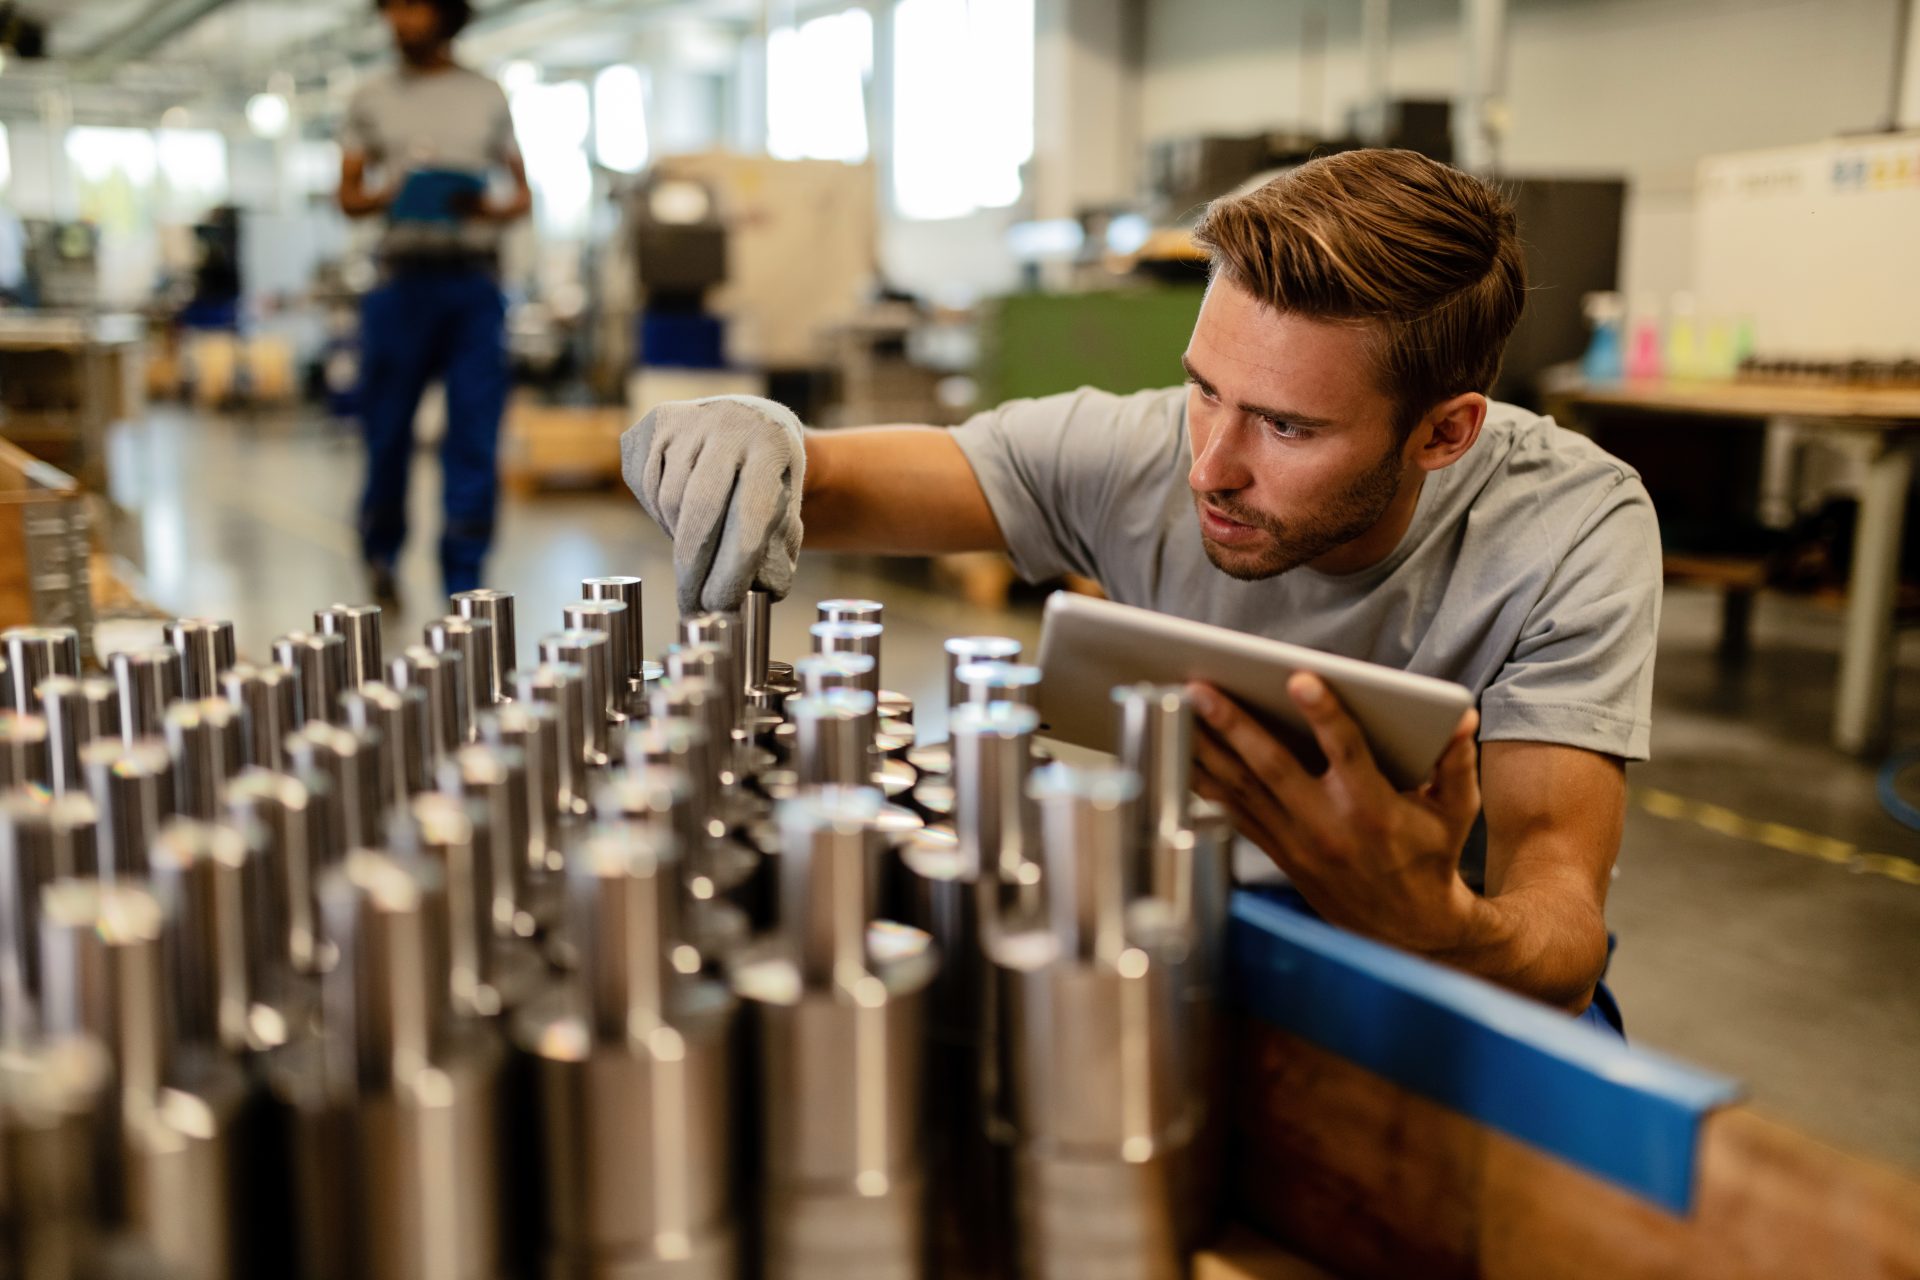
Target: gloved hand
[(723, 477)]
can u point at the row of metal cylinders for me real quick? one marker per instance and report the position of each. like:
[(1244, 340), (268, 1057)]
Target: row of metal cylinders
[(1059, 978)]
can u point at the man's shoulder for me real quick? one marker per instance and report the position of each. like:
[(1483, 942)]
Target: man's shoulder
[(1536, 461)]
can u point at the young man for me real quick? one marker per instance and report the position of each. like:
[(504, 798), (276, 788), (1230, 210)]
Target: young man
[(1333, 475), (436, 133)]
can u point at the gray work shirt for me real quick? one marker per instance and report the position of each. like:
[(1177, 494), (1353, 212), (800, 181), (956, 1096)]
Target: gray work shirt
[(452, 119), (1530, 572)]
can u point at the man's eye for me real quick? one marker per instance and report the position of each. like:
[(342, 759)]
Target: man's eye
[(1284, 429), (1206, 392)]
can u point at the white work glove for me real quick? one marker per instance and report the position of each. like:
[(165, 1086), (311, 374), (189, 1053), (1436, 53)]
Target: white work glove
[(723, 477)]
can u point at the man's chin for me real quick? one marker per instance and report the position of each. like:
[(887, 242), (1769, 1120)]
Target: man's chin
[(1247, 565)]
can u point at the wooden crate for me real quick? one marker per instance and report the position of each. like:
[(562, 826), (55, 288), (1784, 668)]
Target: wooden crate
[(561, 446), (45, 546)]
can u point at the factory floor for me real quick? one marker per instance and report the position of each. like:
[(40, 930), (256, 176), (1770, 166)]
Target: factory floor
[(1768, 911)]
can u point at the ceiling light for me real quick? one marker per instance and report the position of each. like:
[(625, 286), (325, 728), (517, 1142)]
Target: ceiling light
[(269, 114)]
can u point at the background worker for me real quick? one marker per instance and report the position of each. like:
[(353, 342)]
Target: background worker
[(420, 148), (1332, 474)]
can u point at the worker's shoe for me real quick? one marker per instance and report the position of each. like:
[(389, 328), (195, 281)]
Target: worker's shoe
[(381, 584)]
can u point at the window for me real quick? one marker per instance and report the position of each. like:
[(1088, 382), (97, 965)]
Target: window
[(620, 119), (193, 169), (113, 171), (962, 104), (552, 122), (817, 77)]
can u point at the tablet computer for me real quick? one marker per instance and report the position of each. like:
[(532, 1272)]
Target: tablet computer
[(1089, 646)]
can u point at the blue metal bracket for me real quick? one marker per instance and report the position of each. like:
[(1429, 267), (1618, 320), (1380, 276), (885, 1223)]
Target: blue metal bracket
[(1623, 1114)]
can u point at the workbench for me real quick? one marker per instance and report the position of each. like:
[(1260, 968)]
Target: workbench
[(1878, 428), (1393, 1118), (66, 378)]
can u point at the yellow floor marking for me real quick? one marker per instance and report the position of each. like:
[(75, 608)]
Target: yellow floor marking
[(1774, 835)]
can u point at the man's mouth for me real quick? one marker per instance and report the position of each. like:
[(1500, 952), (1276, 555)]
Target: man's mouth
[(1224, 529)]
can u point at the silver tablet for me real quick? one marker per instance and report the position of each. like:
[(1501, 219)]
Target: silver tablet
[(1089, 646)]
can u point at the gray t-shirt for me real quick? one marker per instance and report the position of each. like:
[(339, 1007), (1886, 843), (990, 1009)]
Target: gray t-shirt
[(1530, 573), (453, 119)]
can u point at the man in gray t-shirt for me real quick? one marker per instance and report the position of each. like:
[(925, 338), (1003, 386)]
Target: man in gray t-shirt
[(1333, 474)]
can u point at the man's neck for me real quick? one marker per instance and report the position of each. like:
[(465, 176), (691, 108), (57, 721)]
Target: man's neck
[(426, 62), (1379, 542)]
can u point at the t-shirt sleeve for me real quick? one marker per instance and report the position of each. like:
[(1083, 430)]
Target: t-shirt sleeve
[(357, 133), (1050, 468), (1581, 674), (503, 145)]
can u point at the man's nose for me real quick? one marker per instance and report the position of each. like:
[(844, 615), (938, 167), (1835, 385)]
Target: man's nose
[(1218, 459)]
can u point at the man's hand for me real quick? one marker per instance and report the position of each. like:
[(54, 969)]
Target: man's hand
[(1368, 857), (723, 477)]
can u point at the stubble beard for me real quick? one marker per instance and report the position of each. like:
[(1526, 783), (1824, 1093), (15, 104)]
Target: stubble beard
[(1352, 512)]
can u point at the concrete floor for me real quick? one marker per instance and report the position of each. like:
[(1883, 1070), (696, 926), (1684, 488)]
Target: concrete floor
[(1765, 930)]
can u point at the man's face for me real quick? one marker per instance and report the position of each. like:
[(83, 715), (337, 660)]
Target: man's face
[(415, 25), (1294, 448)]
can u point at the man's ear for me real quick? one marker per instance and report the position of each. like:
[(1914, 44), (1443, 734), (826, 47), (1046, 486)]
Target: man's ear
[(1447, 431)]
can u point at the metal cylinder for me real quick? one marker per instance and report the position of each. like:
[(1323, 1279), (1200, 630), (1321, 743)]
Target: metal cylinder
[(609, 618), (852, 637), (42, 839), (852, 610), (496, 608), (149, 682), (998, 682), (677, 749), (687, 695), (77, 712), (359, 626), (820, 672), (1156, 743), (132, 790), (605, 616), (319, 665), (840, 1014), (289, 821), (343, 769), (627, 591), (268, 700), (441, 679), (50, 1092), (1103, 1111), (756, 638), (207, 741), (832, 742), (722, 631), (33, 654), (397, 723), (961, 650), (470, 641), (25, 760), (533, 730), (587, 653), (208, 878), (494, 778), (441, 828), (633, 1063), (404, 1140), (992, 764), (556, 685), (206, 650)]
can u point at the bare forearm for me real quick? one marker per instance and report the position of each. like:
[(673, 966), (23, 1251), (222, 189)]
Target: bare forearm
[(1544, 940), (895, 491)]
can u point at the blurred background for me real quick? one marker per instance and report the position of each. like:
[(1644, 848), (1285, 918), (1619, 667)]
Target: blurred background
[(905, 210)]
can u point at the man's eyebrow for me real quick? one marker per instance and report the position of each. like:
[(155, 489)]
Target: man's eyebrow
[(1260, 411)]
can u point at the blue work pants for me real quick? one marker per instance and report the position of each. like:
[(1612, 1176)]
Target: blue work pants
[(427, 322)]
